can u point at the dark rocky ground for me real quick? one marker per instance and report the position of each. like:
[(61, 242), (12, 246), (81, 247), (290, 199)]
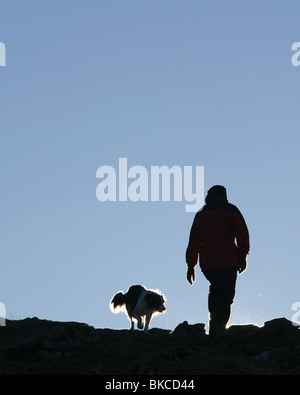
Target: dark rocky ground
[(34, 346)]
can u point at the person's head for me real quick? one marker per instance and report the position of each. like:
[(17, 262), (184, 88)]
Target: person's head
[(217, 193)]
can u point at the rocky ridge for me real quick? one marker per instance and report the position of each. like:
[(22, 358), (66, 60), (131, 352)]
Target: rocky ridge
[(33, 347)]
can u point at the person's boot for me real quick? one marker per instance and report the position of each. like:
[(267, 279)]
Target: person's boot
[(220, 327)]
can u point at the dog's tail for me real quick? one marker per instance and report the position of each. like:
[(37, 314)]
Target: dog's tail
[(117, 302)]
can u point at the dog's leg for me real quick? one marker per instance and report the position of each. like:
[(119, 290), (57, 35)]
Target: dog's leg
[(132, 324), (139, 320), (148, 319), (129, 313)]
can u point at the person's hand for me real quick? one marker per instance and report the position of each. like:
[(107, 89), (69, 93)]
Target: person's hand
[(190, 275), (242, 263)]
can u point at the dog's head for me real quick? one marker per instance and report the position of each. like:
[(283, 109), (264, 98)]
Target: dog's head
[(156, 302)]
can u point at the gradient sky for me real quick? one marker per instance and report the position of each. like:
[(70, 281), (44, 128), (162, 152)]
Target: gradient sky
[(168, 82)]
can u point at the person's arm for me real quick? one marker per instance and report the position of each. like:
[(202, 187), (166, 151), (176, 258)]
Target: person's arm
[(192, 251), (241, 234)]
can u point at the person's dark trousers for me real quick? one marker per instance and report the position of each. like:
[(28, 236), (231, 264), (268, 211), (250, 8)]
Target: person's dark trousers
[(220, 298)]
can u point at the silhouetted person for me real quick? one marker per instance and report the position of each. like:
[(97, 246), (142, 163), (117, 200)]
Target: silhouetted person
[(219, 236)]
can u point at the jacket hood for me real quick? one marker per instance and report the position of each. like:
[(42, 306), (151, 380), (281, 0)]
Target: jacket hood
[(217, 193)]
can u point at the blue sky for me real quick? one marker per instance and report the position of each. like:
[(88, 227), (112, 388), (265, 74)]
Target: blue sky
[(187, 83)]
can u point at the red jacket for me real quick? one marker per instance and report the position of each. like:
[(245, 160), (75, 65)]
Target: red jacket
[(218, 235)]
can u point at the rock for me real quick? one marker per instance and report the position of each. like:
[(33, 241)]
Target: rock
[(34, 346), (279, 332), (275, 355), (185, 328)]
